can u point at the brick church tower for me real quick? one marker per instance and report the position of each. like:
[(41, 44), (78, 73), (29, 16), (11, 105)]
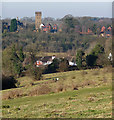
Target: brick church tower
[(38, 20)]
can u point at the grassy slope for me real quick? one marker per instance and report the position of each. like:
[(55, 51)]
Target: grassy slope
[(88, 102)]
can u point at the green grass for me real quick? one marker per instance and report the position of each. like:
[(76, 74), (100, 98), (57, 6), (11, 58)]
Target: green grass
[(75, 104), (89, 101)]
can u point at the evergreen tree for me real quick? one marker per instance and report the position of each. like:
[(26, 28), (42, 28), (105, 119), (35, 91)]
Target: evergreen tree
[(93, 56), (21, 54), (79, 58), (13, 26), (53, 67), (98, 49), (16, 62)]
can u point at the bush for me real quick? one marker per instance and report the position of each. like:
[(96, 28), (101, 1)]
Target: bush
[(35, 72), (44, 89), (63, 65), (8, 82), (103, 60), (12, 94), (108, 69)]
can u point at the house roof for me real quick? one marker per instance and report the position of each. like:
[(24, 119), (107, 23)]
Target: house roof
[(46, 58)]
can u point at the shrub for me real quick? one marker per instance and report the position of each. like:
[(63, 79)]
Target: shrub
[(59, 88), (35, 72), (63, 65), (8, 82), (12, 94), (44, 89), (102, 60), (108, 69), (5, 106)]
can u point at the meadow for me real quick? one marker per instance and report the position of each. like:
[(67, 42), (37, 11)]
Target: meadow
[(77, 94)]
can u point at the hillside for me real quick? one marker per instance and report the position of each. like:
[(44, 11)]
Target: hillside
[(67, 37), (77, 94)]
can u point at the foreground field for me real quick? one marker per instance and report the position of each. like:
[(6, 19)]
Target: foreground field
[(85, 94)]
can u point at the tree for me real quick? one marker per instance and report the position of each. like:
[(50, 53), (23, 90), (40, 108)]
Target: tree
[(8, 82), (36, 72), (53, 67), (102, 60), (16, 62), (70, 24), (94, 28), (63, 65), (93, 56), (79, 58), (91, 60), (11, 64), (98, 49), (13, 26), (21, 54)]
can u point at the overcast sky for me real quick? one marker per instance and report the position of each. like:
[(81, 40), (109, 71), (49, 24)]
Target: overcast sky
[(56, 9)]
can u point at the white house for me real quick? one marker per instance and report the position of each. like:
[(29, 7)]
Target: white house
[(72, 63), (42, 25), (110, 57), (45, 60)]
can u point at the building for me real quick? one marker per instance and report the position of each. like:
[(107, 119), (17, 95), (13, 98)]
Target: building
[(38, 20), (47, 28), (103, 29), (44, 60)]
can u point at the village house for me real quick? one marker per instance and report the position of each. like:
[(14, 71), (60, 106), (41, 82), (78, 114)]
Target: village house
[(71, 61), (44, 60), (47, 60), (49, 28), (110, 57), (106, 32)]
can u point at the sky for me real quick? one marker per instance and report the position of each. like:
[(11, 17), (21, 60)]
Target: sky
[(56, 9)]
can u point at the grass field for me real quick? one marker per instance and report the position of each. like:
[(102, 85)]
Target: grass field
[(91, 99)]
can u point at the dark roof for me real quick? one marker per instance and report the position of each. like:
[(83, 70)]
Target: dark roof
[(46, 58)]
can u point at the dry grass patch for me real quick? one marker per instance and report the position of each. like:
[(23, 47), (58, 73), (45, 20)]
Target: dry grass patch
[(96, 72), (83, 73), (12, 94), (107, 69), (43, 89)]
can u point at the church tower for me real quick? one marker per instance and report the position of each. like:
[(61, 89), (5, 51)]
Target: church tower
[(38, 20)]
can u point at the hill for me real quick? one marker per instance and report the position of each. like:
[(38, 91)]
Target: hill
[(77, 94)]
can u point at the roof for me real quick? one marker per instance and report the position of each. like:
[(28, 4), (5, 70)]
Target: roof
[(44, 59)]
